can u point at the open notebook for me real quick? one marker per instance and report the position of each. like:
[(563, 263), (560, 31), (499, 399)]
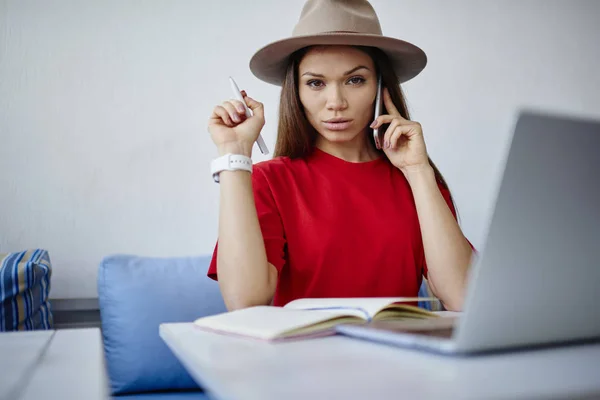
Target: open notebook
[(312, 317)]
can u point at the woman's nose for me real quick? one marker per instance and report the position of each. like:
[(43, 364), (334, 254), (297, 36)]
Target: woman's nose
[(336, 100)]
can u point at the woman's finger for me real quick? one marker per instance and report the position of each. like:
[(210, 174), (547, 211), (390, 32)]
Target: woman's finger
[(256, 106), (389, 104), (222, 114), (387, 118), (397, 135), (382, 119), (239, 106), (407, 130), (233, 114), (388, 133)]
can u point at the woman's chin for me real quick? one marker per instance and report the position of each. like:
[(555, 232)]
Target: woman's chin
[(339, 136)]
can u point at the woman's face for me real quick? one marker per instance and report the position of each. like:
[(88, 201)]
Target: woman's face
[(337, 87)]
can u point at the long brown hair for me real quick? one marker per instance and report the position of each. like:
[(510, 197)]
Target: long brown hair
[(296, 136)]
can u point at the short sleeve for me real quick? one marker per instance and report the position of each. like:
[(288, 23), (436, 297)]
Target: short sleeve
[(446, 194), (270, 222)]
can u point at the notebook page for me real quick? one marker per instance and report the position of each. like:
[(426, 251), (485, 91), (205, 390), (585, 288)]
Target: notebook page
[(364, 307), (264, 322)]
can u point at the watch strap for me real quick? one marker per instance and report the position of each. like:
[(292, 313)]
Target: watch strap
[(230, 162)]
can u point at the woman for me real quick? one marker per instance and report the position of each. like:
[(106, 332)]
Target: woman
[(332, 215)]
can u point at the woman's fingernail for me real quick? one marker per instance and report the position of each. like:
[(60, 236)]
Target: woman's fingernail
[(373, 124), (241, 109), (236, 118)]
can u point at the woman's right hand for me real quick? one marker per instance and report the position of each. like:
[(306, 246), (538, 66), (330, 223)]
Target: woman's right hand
[(231, 130)]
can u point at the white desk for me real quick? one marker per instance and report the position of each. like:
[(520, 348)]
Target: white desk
[(19, 353), (62, 364), (340, 367)]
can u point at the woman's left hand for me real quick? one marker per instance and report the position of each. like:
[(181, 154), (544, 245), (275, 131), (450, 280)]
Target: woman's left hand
[(403, 142)]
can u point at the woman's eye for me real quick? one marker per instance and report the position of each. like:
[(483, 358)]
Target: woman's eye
[(315, 83), (356, 80)]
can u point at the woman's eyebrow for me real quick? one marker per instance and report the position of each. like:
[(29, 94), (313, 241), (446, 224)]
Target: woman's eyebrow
[(355, 69), (345, 73)]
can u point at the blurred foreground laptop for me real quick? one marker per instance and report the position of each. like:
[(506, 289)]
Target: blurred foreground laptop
[(537, 281)]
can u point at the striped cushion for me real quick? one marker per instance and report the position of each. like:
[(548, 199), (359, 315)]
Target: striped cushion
[(24, 289)]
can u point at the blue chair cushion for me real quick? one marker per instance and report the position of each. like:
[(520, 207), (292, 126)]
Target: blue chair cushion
[(425, 291), (24, 288), (137, 294)]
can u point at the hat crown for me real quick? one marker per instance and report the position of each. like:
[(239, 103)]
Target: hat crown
[(322, 16)]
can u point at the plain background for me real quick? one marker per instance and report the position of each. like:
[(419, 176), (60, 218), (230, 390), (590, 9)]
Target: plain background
[(104, 107)]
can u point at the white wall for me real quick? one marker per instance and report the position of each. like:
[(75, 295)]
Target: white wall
[(103, 110)]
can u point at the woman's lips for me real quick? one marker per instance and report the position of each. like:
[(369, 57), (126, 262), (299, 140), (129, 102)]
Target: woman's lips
[(338, 125)]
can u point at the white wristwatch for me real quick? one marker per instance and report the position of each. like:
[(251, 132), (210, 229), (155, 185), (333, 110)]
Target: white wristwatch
[(230, 162)]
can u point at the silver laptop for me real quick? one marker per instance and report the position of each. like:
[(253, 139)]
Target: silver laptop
[(537, 281)]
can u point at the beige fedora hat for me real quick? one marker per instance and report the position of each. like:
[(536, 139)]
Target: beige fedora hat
[(336, 22)]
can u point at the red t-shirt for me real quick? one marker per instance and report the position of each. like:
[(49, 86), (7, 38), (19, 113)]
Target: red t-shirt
[(333, 228)]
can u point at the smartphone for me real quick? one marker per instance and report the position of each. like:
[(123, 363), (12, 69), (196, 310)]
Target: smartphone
[(377, 113), (238, 95)]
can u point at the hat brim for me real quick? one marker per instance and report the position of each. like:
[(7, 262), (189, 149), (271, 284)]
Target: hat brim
[(270, 62)]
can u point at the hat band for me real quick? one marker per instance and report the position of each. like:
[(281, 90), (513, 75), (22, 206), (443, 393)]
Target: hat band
[(325, 33)]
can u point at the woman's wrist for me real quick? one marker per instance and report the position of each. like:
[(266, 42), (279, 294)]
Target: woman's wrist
[(243, 149), (415, 174)]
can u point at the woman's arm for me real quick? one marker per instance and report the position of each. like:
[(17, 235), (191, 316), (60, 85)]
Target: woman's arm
[(447, 251), (245, 276)]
